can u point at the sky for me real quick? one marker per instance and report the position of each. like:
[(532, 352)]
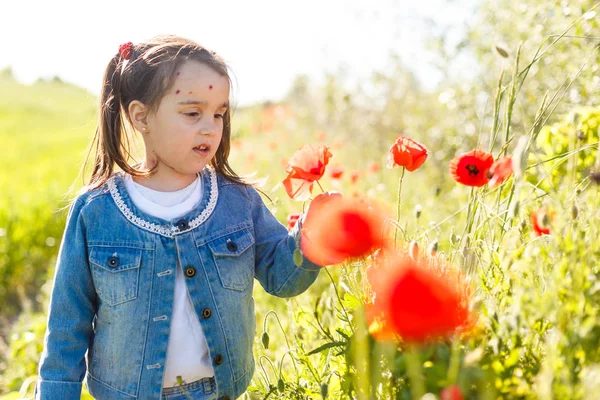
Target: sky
[(265, 42)]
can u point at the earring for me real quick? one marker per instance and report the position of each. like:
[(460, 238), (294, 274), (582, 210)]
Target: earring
[(145, 129)]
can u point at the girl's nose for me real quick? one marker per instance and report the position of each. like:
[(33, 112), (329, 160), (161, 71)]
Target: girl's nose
[(208, 128)]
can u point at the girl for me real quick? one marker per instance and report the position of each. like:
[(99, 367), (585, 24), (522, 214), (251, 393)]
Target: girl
[(154, 277)]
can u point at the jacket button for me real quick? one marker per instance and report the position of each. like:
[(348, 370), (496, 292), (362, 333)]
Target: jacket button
[(190, 272), (183, 225), (206, 313), (231, 245), (218, 359), (113, 262)]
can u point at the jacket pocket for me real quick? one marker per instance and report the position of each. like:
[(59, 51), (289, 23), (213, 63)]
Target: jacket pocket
[(233, 255), (115, 271)]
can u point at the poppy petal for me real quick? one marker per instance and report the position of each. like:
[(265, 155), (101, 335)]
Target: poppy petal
[(298, 189)]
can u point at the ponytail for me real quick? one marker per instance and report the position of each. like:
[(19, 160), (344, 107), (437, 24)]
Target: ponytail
[(108, 141)]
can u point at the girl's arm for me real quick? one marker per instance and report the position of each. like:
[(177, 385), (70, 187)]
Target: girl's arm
[(69, 325), (274, 253)]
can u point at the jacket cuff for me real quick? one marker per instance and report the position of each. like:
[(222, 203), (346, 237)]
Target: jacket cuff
[(52, 390)]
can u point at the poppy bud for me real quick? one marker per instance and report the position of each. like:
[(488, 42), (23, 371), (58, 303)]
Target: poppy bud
[(523, 224), (265, 340), (418, 210), (413, 250), (501, 50), (545, 219), (297, 257), (595, 176), (574, 212), (280, 385), (324, 390), (433, 248), (454, 239)]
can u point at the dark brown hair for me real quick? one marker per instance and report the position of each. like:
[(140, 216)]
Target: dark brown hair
[(146, 76)]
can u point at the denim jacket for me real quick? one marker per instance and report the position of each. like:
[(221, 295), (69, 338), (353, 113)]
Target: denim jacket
[(110, 308)]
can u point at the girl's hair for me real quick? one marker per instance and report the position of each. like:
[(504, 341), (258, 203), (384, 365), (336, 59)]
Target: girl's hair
[(146, 76)]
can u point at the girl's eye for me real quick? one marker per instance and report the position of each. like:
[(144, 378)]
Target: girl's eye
[(192, 114), (219, 116)]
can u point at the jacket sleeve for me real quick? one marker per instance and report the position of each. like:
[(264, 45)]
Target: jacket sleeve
[(72, 307), (274, 253)]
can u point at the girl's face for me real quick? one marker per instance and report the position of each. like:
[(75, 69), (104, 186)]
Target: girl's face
[(184, 133)]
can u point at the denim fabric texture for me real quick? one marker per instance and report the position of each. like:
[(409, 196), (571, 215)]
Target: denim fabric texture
[(110, 307)]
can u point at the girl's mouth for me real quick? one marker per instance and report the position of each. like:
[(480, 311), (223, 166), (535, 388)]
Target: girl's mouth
[(203, 149)]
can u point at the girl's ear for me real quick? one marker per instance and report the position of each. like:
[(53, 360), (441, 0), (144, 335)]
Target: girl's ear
[(138, 115)]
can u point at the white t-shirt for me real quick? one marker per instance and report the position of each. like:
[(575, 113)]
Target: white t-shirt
[(187, 352)]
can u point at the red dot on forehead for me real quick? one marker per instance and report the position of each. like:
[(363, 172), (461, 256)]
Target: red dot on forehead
[(190, 93), (177, 92), (210, 87)]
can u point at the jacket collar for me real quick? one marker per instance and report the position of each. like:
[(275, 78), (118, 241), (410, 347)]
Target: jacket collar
[(186, 223)]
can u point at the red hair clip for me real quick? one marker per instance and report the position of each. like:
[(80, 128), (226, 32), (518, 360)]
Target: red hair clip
[(125, 50)]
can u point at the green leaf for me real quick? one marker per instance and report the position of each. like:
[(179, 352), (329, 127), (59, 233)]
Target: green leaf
[(325, 347), (342, 333)]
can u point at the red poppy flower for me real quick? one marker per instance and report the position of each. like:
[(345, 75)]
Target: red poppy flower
[(354, 177), (292, 219), (340, 229), (451, 392), (406, 153), (374, 167), (419, 302), (501, 170), (471, 169), (304, 167), (336, 172), (541, 219), (125, 50)]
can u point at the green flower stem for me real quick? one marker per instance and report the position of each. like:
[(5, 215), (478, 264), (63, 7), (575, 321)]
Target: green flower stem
[(320, 187), (185, 392), (281, 326), (415, 371), (260, 362), (399, 202), (361, 355), (339, 299), (454, 366), (472, 208)]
